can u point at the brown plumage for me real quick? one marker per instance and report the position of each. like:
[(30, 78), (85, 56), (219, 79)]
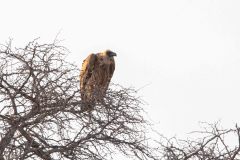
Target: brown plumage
[(95, 76)]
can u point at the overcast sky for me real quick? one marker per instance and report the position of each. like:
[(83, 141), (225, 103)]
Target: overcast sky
[(184, 55)]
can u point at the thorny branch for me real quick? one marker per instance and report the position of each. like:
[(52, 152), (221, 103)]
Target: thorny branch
[(212, 144)]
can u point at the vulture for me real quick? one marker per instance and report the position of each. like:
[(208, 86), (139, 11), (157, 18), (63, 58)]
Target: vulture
[(95, 76)]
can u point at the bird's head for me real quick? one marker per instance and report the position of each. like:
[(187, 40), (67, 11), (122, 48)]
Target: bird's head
[(106, 57), (109, 53)]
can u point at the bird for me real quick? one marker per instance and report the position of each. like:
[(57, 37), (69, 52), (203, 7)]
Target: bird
[(95, 76)]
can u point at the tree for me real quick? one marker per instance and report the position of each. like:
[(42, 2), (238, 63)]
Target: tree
[(212, 143), (42, 116)]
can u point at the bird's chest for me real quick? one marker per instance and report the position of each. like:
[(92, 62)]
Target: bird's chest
[(102, 74)]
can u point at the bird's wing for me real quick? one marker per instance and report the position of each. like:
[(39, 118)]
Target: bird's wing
[(87, 69)]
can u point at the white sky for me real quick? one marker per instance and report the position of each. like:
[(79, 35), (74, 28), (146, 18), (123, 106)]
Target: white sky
[(184, 53)]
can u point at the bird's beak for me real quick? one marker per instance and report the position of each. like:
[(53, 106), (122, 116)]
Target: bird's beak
[(113, 54)]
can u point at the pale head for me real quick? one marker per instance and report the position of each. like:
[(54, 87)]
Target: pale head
[(109, 53), (107, 56)]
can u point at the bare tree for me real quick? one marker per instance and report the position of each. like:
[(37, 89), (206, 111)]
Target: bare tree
[(42, 117), (212, 143)]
